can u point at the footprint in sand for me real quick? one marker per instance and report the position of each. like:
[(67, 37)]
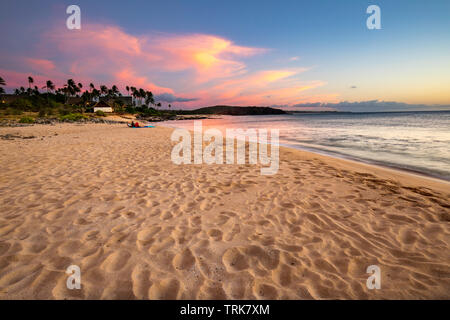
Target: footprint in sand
[(157, 247), (215, 234), (265, 291), (211, 291), (116, 261), (234, 260), (140, 278), (233, 232), (183, 260), (164, 290), (147, 235)]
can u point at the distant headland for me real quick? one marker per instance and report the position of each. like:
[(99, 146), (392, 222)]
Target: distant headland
[(234, 110)]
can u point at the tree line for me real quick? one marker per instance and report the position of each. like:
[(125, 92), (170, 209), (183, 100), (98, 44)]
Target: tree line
[(73, 89)]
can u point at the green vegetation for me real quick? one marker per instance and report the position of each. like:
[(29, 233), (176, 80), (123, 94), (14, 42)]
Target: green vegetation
[(72, 117), (100, 113), (13, 112), (70, 102), (26, 119)]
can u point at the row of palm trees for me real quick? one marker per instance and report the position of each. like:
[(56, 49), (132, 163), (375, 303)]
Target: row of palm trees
[(73, 89), (140, 94)]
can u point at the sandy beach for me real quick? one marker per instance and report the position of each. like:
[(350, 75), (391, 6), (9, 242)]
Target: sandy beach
[(109, 199)]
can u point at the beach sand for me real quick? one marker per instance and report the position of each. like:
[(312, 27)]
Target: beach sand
[(108, 199)]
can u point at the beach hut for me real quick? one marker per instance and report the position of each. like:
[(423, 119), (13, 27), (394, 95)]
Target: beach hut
[(102, 106)]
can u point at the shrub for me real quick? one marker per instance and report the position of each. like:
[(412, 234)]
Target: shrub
[(21, 104), (100, 113), (55, 105), (42, 113), (26, 120), (46, 112), (63, 111), (11, 111), (71, 117), (130, 109)]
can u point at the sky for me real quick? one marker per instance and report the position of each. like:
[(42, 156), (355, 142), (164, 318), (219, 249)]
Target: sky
[(192, 53)]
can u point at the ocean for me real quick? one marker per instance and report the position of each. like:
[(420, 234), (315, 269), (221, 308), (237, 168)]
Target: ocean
[(414, 141)]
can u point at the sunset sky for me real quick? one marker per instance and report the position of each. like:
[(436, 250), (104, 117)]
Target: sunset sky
[(197, 53)]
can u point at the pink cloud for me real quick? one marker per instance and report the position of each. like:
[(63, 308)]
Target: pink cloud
[(209, 68), (127, 76), (266, 87), (41, 65), (16, 79), (109, 48)]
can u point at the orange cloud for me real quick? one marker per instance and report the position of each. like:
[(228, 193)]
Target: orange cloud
[(211, 57), (263, 87), (209, 68)]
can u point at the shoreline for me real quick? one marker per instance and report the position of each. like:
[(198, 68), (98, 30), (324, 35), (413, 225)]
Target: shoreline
[(380, 164), (109, 200), (381, 169), (342, 156)]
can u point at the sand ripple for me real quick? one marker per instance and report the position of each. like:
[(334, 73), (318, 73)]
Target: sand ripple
[(109, 200)]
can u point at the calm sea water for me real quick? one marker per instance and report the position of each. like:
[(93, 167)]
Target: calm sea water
[(416, 141)]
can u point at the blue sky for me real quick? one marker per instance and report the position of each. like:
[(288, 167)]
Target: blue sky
[(271, 52)]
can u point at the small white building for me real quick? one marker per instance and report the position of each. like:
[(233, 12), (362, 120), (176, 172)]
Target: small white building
[(103, 106)]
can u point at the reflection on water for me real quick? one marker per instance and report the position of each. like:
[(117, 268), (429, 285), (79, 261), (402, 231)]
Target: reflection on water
[(418, 141)]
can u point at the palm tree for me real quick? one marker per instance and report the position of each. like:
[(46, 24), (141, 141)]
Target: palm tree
[(104, 89), (79, 87), (2, 83), (141, 94), (69, 89), (50, 86), (134, 93), (149, 98), (86, 97), (91, 85), (128, 90), (30, 81), (114, 90), (72, 87), (95, 93)]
